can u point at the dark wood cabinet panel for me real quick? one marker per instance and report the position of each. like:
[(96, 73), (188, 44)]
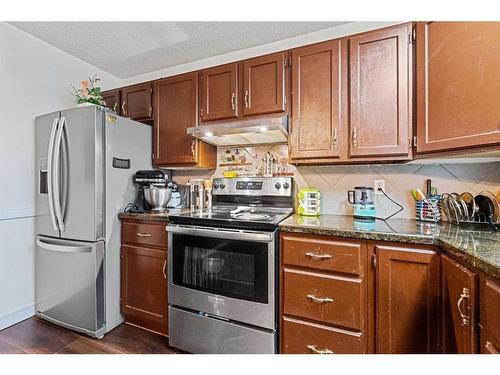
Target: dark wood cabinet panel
[(176, 109), (380, 99), (264, 85), (219, 92), (324, 253), (407, 287), (318, 91), (340, 301), (112, 99), (490, 316), (301, 337), (144, 287), (458, 85), (137, 101), (459, 308)]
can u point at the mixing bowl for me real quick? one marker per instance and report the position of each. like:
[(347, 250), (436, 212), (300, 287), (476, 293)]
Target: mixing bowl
[(157, 197)]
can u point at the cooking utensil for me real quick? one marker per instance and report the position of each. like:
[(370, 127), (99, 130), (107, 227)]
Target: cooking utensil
[(414, 194), (468, 198), (495, 212), (428, 185)]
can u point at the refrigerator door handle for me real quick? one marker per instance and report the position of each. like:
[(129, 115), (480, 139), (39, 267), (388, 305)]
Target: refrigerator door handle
[(63, 248), (56, 177), (50, 187)]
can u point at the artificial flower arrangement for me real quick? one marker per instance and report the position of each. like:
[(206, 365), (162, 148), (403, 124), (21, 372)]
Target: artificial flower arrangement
[(88, 92)]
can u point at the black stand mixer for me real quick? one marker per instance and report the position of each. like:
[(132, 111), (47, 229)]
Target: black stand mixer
[(145, 178)]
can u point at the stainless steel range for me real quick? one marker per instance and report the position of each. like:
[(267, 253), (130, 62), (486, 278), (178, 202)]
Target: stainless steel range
[(223, 268)]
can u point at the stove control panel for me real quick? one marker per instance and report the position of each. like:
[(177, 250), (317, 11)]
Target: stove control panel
[(258, 186)]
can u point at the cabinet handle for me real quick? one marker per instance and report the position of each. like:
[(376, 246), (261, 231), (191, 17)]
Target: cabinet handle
[(246, 99), (192, 147), (144, 234), (164, 269), (114, 108), (232, 101), (334, 137), (313, 298), (317, 256), (354, 137), (313, 349), (123, 108), (465, 295)]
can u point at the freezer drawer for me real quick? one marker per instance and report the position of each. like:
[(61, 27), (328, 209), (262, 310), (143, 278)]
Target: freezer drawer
[(201, 334), (69, 284)]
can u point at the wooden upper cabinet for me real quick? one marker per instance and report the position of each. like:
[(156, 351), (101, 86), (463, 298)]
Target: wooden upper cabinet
[(407, 284), (112, 100), (459, 308), (318, 104), (380, 99), (176, 109), (458, 85), (264, 85), (137, 102), (219, 92)]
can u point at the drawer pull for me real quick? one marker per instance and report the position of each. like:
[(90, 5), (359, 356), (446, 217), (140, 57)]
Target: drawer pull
[(317, 256), (313, 298), (313, 349), (144, 234), (465, 318), (164, 269)]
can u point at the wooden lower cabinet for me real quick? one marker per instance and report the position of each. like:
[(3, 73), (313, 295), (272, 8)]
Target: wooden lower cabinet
[(143, 297), (459, 308), (303, 337), (407, 295), (324, 305), (489, 316)]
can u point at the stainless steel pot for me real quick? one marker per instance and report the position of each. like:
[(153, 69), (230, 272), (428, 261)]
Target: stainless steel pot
[(157, 197)]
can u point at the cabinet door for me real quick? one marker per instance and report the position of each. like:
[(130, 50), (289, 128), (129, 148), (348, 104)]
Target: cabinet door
[(137, 102), (264, 85), (112, 100), (458, 85), (407, 289), (380, 96), (459, 308), (219, 93), (318, 104), (144, 287), (175, 111)]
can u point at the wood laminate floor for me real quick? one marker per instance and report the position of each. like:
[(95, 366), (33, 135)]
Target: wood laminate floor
[(35, 336)]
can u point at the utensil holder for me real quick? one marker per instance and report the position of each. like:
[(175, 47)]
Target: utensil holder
[(428, 210)]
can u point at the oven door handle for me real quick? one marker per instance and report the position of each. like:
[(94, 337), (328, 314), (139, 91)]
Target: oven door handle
[(227, 234)]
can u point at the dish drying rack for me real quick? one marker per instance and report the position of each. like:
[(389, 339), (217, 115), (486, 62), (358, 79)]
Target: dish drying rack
[(429, 209)]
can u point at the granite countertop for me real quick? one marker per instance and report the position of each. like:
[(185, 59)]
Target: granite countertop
[(477, 246), (151, 216)]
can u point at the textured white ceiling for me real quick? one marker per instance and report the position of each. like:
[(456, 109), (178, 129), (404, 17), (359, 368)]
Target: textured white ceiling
[(126, 49)]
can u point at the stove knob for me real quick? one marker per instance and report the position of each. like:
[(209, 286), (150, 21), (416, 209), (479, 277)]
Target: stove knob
[(286, 185), (216, 186), (277, 185), (222, 186)]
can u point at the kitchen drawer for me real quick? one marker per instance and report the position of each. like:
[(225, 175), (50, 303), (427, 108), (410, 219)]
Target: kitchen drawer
[(144, 234), (329, 299), (311, 338), (323, 253), (490, 310)]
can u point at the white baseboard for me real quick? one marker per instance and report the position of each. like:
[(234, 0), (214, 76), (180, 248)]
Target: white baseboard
[(16, 317)]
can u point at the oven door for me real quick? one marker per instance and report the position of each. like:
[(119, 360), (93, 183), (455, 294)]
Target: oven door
[(227, 273)]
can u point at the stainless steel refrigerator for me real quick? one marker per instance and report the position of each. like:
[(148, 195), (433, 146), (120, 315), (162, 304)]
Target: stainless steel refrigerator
[(85, 160)]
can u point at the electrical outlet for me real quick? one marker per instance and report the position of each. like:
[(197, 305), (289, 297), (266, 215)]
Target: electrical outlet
[(379, 184)]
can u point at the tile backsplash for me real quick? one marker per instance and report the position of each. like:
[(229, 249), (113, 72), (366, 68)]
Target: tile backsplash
[(335, 181)]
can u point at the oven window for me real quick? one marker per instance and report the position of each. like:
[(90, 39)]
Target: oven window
[(237, 269)]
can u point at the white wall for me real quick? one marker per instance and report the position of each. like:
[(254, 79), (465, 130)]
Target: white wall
[(34, 79)]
